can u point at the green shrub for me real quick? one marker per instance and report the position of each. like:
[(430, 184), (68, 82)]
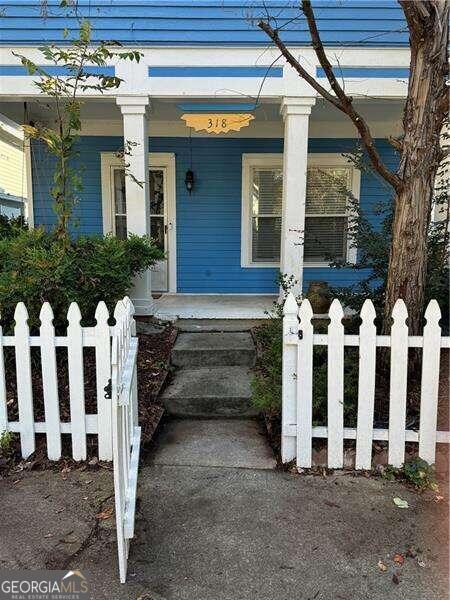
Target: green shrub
[(266, 383), (36, 267), (415, 471)]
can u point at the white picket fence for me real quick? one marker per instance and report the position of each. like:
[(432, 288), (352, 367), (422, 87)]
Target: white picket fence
[(299, 340), (126, 433), (77, 338)]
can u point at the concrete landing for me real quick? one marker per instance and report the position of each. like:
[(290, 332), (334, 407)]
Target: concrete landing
[(214, 443), (210, 392), (213, 349), (171, 307)]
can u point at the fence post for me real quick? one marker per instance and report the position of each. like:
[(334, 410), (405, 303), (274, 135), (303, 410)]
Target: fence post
[(24, 386), (103, 375), (431, 355), (366, 386), (50, 382), (3, 406), (289, 376), (76, 382), (305, 386), (335, 420), (398, 385)]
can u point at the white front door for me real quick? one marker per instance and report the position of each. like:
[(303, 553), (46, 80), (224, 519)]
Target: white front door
[(162, 211)]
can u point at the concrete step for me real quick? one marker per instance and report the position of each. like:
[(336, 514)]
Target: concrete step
[(200, 325), (213, 349), (210, 392), (214, 443)]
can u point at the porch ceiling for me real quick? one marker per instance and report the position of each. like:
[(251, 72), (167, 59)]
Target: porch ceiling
[(103, 117)]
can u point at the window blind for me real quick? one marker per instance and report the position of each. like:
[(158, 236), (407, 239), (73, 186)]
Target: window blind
[(325, 238)]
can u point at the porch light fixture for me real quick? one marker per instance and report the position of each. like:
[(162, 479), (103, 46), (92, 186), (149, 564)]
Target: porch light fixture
[(189, 180)]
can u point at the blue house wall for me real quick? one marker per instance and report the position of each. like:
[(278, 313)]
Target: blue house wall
[(209, 220), (202, 22)]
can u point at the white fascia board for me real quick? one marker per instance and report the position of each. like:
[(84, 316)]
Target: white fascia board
[(137, 80)]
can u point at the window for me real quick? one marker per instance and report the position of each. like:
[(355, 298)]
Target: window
[(329, 180), (326, 213), (156, 192), (266, 199)]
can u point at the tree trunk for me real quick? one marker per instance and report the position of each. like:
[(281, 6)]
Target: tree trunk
[(421, 153)]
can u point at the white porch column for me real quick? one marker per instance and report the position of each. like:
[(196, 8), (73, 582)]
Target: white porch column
[(295, 111), (135, 138)]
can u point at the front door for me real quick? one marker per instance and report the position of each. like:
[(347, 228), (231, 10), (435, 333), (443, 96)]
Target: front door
[(162, 216)]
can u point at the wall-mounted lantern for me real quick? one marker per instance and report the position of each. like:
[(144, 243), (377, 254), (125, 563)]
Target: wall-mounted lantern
[(189, 181)]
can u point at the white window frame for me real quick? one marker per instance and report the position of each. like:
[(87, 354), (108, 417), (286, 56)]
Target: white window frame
[(319, 159), (163, 160)]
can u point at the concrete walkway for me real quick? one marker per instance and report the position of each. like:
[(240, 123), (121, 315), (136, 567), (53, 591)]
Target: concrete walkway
[(214, 443), (206, 533), (241, 534)]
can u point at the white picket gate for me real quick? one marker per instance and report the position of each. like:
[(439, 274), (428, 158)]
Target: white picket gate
[(299, 341), (126, 433), (116, 420)]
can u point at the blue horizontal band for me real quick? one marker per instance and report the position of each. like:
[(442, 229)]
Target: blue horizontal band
[(367, 72), (215, 71), (53, 70)]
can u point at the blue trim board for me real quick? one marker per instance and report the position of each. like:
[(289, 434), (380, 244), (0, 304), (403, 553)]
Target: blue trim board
[(202, 107), (367, 72), (54, 70), (216, 71)]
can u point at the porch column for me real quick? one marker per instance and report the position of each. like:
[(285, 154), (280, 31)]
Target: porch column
[(135, 139), (295, 112)]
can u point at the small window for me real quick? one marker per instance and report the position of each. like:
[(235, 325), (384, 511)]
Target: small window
[(329, 180)]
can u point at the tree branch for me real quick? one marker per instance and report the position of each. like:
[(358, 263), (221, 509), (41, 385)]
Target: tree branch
[(396, 143), (273, 34), (340, 100), (347, 101)]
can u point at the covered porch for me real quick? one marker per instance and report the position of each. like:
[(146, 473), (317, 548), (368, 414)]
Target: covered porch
[(249, 213)]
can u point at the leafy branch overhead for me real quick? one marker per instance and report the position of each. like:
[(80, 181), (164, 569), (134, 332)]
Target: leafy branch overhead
[(419, 147), (78, 68)]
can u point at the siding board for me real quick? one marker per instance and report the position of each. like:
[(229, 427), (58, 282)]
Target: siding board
[(196, 22), (208, 221)]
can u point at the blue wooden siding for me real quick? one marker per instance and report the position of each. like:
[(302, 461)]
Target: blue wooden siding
[(208, 221), (203, 22)]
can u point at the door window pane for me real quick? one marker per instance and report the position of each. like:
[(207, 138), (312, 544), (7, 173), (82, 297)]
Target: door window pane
[(157, 231), (156, 184), (120, 204)]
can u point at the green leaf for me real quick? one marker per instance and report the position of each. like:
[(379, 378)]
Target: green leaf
[(400, 503)]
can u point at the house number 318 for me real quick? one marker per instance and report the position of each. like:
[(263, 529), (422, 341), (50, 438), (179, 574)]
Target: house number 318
[(216, 123)]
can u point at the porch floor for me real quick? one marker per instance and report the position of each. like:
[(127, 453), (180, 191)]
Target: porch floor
[(170, 307)]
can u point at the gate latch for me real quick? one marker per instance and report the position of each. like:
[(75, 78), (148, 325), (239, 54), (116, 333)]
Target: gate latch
[(108, 390), (300, 334)]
